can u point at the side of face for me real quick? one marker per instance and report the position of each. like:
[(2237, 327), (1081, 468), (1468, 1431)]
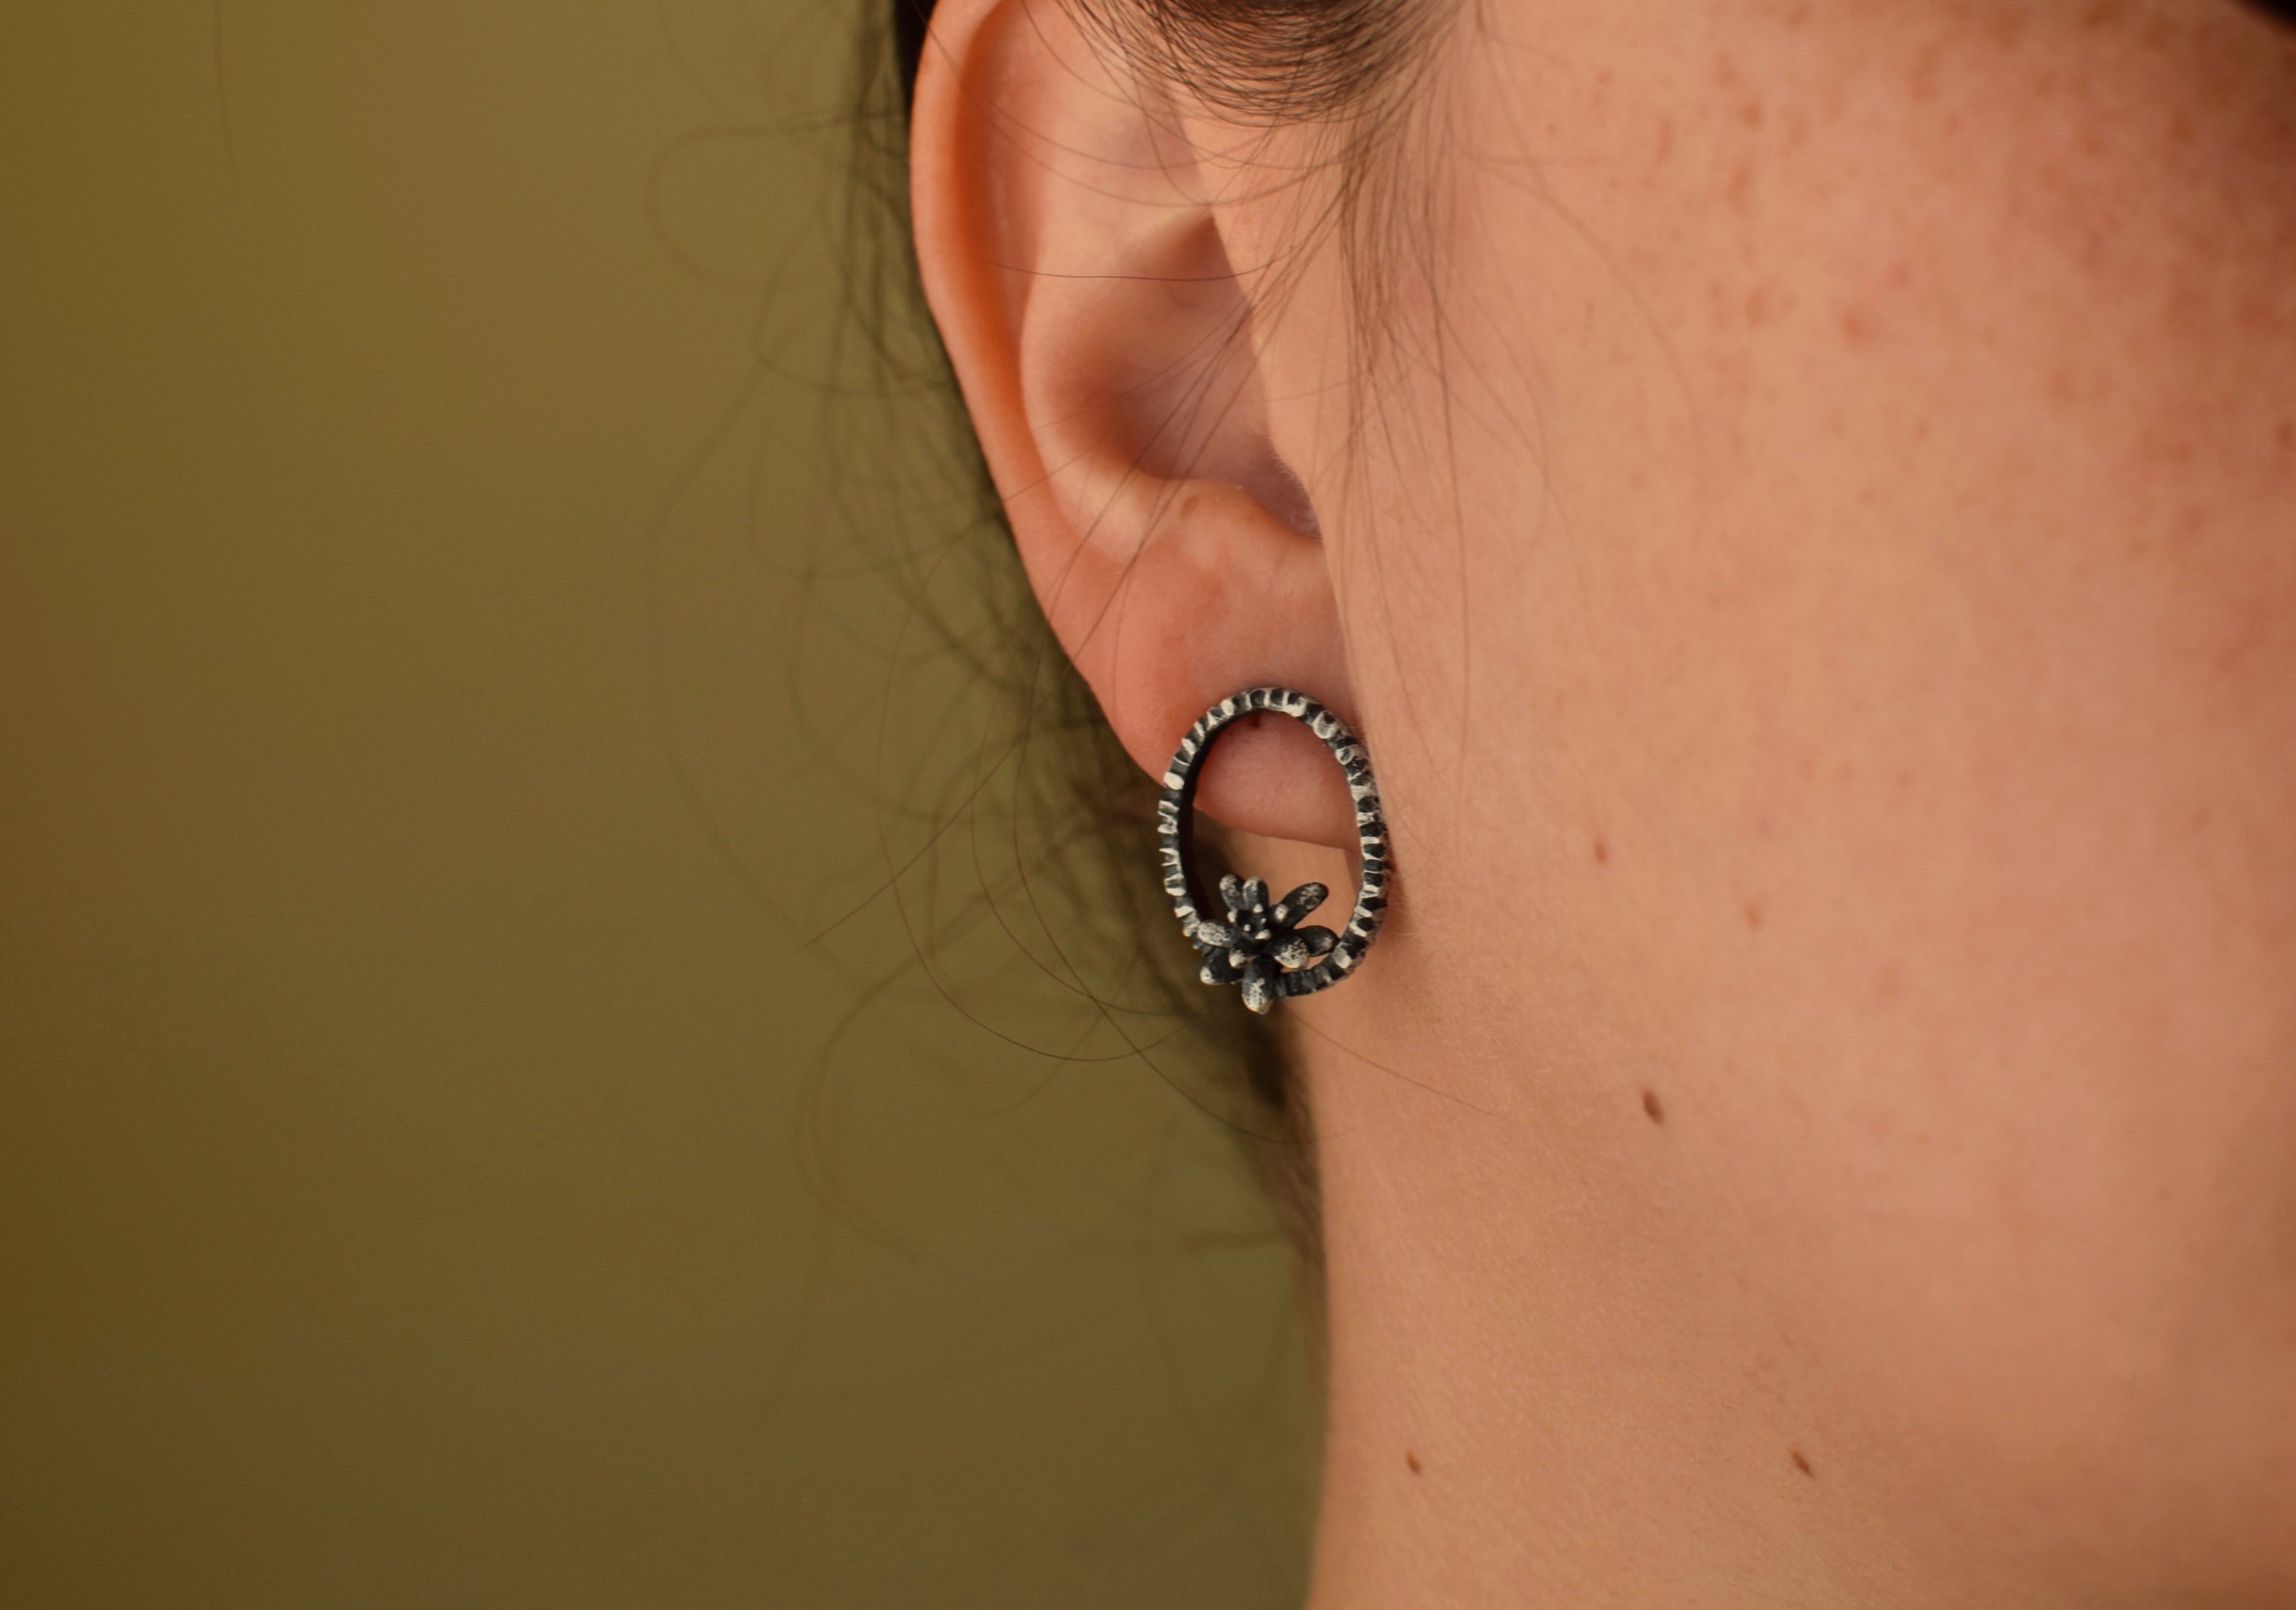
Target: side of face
[(1838, 595), (1808, 528)]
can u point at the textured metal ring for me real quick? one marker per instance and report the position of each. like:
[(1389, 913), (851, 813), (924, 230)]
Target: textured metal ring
[(1261, 946)]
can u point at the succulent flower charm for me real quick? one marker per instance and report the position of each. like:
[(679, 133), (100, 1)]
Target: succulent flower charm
[(1260, 943), (1262, 948)]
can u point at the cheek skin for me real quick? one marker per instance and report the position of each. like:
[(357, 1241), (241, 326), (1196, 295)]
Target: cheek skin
[(1878, 464)]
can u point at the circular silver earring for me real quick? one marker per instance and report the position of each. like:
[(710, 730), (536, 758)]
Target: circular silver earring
[(1260, 947)]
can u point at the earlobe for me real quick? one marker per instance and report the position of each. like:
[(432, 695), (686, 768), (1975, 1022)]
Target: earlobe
[(1076, 260)]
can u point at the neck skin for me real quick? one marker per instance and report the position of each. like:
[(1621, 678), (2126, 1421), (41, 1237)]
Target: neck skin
[(1563, 1367), (1535, 1396), (1554, 1374)]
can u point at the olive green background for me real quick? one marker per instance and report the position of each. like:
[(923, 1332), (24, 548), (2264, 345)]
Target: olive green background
[(474, 1126)]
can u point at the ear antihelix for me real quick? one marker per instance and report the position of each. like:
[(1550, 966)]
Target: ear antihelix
[(1261, 946)]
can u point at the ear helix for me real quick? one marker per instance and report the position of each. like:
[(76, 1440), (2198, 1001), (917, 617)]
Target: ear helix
[(1260, 947)]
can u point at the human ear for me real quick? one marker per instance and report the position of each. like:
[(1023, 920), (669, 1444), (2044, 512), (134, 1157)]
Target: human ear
[(1075, 250)]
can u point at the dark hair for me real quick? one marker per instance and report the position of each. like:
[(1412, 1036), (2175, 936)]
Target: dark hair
[(1261, 60)]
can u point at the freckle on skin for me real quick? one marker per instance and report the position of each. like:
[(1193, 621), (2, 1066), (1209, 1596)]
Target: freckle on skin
[(1412, 1461), (1601, 850), (1856, 327), (1654, 1107), (1754, 913), (1923, 82), (1801, 1463)]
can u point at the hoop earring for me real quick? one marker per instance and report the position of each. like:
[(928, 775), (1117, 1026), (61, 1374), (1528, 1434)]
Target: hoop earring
[(1261, 948)]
